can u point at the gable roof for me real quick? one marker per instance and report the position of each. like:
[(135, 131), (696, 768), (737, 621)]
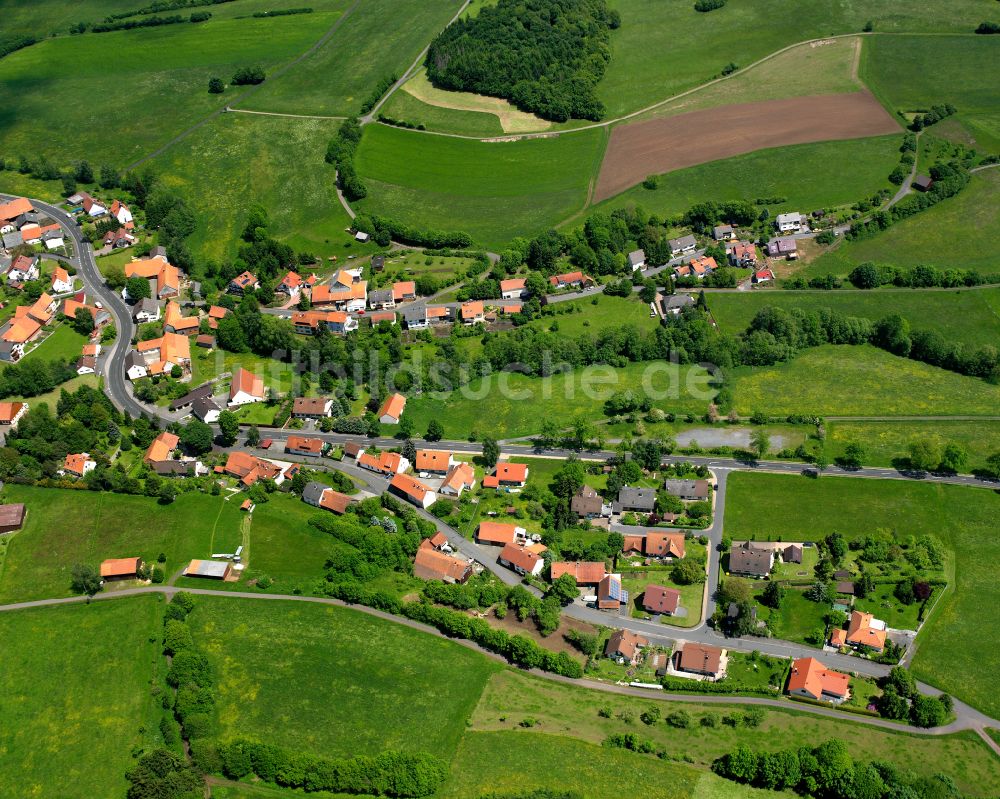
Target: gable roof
[(585, 572), (14, 208), (670, 545), (120, 567), (76, 462), (305, 444), (175, 318), (311, 405), (334, 501), (432, 460), (161, 447), (470, 310), (520, 557), (513, 284), (430, 564), (497, 532), (384, 462), (863, 629), (511, 472), (461, 475), (658, 599), (811, 676), (700, 657), (410, 486), (749, 559), (247, 382), (393, 406), (403, 289), (625, 643)]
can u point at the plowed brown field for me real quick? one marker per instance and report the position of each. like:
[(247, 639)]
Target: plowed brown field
[(653, 147)]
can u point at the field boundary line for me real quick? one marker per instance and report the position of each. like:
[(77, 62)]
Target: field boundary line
[(230, 110)]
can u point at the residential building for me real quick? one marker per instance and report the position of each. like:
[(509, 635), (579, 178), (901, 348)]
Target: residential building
[(521, 560), (610, 594), (146, 310), (723, 233), (79, 464), (687, 489), (135, 366), (438, 314), (345, 292), (789, 223), (792, 554), (473, 313), (167, 276), (499, 533), (11, 413), (53, 237), (248, 469), (433, 462), (750, 560), (210, 569), (673, 304), (670, 546), (312, 407), (174, 320), (584, 572), (381, 299), (513, 289), (245, 388), (14, 208), (308, 323), (702, 659), (432, 564), (763, 276), (61, 281), (412, 490), (216, 313), (118, 239), (637, 259), (864, 630), (161, 355), (313, 493), (206, 409), (161, 449), (290, 285), (812, 680), (308, 447), (783, 248), (382, 316), (697, 267), (92, 207), (389, 463), (642, 500), (404, 290), (587, 503), (86, 365), (392, 409), (242, 283), (121, 212), (22, 269), (742, 253), (921, 183), (657, 599), (625, 646), (415, 318), (682, 245), (571, 280), (459, 478), (121, 568), (507, 475)]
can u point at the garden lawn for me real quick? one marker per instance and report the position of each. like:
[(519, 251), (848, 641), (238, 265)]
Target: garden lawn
[(808, 175), (966, 316), (692, 596), (591, 316), (76, 697), (954, 647), (65, 527), (860, 381), (336, 682), (375, 39), (796, 619), (883, 605), (888, 442), (957, 233), (62, 344), (59, 99), (909, 73), (508, 405), (52, 397), (572, 710), (798, 572), (206, 365), (493, 191), (237, 161)]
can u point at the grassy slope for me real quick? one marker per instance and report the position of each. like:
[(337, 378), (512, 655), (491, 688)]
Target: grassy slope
[(573, 711), (491, 190), (953, 651), (76, 695), (379, 37), (60, 98), (67, 527), (913, 72), (860, 381), (238, 160), (336, 682), (590, 317), (965, 316), (808, 175), (664, 48), (956, 233), (404, 106), (509, 405)]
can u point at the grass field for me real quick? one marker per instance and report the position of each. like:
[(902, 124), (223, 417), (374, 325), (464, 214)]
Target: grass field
[(62, 344), (954, 234), (239, 160), (275, 374), (65, 527), (810, 176), (796, 618), (375, 39), (76, 697), (888, 441), (692, 596), (52, 397), (590, 317), (493, 191), (966, 316), (405, 107), (908, 73), (860, 381), (566, 710), (953, 648), (336, 682), (58, 98), (508, 404)]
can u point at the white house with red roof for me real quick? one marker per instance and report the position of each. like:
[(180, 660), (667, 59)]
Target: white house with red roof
[(61, 281), (121, 212), (245, 388), (290, 285)]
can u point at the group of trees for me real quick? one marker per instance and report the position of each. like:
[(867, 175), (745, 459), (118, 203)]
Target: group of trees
[(485, 591), (340, 152), (146, 22), (545, 56), (33, 377), (900, 700), (870, 275), (935, 115), (828, 771), (248, 76)]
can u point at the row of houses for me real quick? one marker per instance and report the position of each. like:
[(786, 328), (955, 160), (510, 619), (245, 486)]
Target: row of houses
[(21, 224)]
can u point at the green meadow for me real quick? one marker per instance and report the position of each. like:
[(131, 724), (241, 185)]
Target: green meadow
[(239, 160), (591, 316), (65, 527), (810, 176), (860, 381), (76, 696), (968, 316), (494, 191), (954, 648), (887, 442), (334, 681), (375, 39)]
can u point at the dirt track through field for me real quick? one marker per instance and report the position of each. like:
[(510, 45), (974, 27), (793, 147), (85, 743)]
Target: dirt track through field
[(653, 147)]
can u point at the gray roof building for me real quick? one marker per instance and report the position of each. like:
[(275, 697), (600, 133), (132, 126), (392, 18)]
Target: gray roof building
[(745, 558), (720, 232), (203, 406), (380, 297), (313, 493), (675, 303), (683, 243), (14, 239), (637, 259), (146, 306), (204, 390), (643, 499), (687, 489)]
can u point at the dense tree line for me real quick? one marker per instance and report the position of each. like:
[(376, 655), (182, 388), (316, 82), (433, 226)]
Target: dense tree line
[(988, 28), (545, 56), (340, 152), (11, 44), (282, 12), (147, 22), (160, 6), (869, 275), (932, 117), (384, 230), (376, 94), (33, 377), (828, 771)]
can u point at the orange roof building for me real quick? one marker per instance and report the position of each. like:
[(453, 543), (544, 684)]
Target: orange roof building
[(863, 629), (249, 468), (499, 533), (161, 448), (433, 460), (168, 276), (245, 387), (507, 474), (584, 572), (121, 568), (175, 321), (41, 311), (431, 564), (521, 560), (334, 501), (472, 312), (812, 680), (664, 545), (404, 290), (14, 208), (22, 329), (659, 599), (383, 463), (413, 490), (79, 464), (392, 409), (459, 477)]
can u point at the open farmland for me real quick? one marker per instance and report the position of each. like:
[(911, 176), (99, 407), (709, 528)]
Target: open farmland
[(295, 673), (375, 39), (76, 697), (491, 190), (655, 146), (888, 442), (953, 651), (85, 527), (860, 381), (968, 316)]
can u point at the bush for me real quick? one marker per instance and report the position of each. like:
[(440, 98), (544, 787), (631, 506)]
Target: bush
[(708, 5), (248, 76)]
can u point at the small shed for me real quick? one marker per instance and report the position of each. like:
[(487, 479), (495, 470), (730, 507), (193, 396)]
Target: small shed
[(11, 517)]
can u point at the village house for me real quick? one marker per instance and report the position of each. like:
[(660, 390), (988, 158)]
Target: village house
[(389, 463), (749, 560), (507, 475), (763, 276), (121, 212), (381, 299), (610, 594), (783, 248), (118, 239), (248, 469), (167, 276), (473, 313), (11, 413), (79, 464), (392, 409), (161, 449), (61, 281), (588, 503), (321, 496), (146, 310), (308, 447), (290, 285), (12, 209), (657, 599), (500, 533), (792, 554), (174, 320), (521, 560), (571, 280), (641, 500), (345, 292), (73, 304), (625, 647), (242, 283), (668, 546), (22, 269), (382, 316), (433, 462), (161, 355), (135, 366), (86, 365), (209, 569), (673, 304), (215, 314), (514, 288), (789, 223), (921, 183), (312, 407), (404, 291), (637, 259), (863, 631), (723, 233), (187, 402), (682, 245), (687, 489), (459, 478), (245, 388), (93, 208), (309, 323), (412, 490), (432, 564), (702, 659), (120, 569), (584, 572), (812, 680), (697, 267), (743, 254)]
